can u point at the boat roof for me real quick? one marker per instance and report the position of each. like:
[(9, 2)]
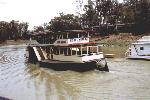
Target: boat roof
[(40, 33), (142, 43), (143, 40), (78, 31), (76, 44)]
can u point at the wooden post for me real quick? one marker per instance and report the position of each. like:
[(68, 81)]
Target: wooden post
[(59, 51), (76, 51), (63, 51), (81, 50), (67, 51), (57, 36), (88, 34), (87, 48), (71, 51), (48, 53), (56, 51), (97, 49), (51, 53), (67, 35), (50, 50), (62, 36)]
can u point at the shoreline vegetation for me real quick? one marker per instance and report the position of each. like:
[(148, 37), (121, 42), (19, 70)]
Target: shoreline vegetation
[(112, 44)]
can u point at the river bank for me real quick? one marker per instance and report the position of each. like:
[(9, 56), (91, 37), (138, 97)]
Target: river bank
[(17, 42), (13, 42), (116, 44)]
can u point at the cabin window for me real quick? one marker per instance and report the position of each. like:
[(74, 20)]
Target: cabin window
[(58, 41), (63, 41), (72, 35), (141, 48), (129, 51)]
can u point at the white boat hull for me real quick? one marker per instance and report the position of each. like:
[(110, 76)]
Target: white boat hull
[(139, 57)]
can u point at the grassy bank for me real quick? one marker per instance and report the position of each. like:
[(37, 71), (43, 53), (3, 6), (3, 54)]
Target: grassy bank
[(116, 44), (13, 42), (17, 42)]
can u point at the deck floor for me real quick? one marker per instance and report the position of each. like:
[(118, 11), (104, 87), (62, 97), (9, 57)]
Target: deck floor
[(58, 61)]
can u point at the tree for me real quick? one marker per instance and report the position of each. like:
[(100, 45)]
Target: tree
[(64, 22), (23, 29), (142, 16), (12, 30), (89, 13), (38, 28), (3, 31), (129, 8)]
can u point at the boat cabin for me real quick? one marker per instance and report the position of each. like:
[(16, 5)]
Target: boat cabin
[(75, 42), (140, 48), (73, 37)]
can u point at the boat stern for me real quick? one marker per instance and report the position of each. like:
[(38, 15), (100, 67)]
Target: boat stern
[(98, 59)]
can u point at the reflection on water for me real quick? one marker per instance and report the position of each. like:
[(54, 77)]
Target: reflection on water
[(127, 80)]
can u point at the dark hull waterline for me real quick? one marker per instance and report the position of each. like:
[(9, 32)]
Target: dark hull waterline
[(63, 66)]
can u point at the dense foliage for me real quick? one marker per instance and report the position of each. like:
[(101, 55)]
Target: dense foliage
[(111, 12), (64, 22), (12, 30), (130, 13)]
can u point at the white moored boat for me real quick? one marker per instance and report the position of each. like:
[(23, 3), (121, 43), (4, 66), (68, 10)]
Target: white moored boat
[(73, 48), (139, 49)]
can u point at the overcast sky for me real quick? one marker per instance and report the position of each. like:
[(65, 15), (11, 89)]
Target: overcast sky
[(36, 12)]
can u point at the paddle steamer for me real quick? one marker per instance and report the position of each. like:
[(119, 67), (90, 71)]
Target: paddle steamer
[(71, 50)]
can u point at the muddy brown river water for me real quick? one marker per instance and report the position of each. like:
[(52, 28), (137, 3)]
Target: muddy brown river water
[(127, 80)]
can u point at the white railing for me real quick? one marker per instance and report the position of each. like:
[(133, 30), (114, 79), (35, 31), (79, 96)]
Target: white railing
[(78, 40), (144, 39), (71, 41)]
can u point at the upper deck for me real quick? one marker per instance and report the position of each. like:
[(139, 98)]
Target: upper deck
[(143, 40), (73, 37)]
